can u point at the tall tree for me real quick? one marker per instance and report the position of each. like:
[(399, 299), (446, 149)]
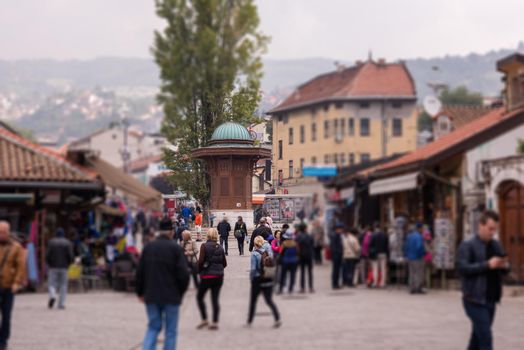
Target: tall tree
[(210, 68)]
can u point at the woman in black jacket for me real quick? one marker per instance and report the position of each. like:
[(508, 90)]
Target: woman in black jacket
[(240, 234), (211, 263)]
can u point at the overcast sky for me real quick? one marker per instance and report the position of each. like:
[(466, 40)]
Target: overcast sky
[(338, 29)]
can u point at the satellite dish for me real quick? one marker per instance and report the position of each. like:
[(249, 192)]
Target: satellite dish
[(432, 105)]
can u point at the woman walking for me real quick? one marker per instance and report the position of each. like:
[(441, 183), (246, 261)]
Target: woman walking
[(260, 283), (240, 232), (211, 263), (191, 253)]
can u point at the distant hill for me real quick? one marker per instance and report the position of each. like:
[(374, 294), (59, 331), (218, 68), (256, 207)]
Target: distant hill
[(35, 82)]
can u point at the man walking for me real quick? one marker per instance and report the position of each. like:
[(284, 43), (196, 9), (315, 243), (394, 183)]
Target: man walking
[(262, 230), (306, 248), (481, 263), (378, 254), (414, 252), (59, 256), (12, 276), (162, 279), (224, 228)]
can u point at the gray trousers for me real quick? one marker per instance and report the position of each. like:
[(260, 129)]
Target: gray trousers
[(57, 283), (416, 275)]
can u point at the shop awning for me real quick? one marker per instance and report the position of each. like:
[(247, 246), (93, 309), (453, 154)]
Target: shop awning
[(394, 184), (258, 199), (16, 198)]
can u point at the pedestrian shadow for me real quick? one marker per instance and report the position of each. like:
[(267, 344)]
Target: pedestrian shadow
[(294, 297)]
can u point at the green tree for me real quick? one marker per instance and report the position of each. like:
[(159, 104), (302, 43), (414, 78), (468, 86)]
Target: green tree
[(461, 96), (520, 147), (424, 122), (210, 69)]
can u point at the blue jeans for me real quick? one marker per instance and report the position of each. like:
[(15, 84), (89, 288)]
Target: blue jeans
[(155, 315), (481, 316), (57, 282), (6, 306)]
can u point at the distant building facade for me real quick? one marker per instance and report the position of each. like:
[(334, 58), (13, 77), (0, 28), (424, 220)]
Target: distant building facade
[(349, 116)]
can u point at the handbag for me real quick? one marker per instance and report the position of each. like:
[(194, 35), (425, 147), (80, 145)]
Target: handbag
[(238, 234)]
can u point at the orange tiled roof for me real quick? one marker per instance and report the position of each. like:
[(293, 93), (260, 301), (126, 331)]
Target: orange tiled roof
[(461, 115), (142, 163), (23, 160), (458, 137), (370, 79)]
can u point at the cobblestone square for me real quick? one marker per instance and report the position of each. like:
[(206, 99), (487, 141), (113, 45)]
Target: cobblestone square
[(360, 318)]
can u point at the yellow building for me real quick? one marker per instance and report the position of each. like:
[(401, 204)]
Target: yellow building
[(345, 117)]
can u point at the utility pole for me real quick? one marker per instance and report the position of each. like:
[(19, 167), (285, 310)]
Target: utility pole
[(124, 121)]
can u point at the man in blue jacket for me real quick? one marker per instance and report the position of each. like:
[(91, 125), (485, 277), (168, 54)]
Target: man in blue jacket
[(481, 263), (414, 252)]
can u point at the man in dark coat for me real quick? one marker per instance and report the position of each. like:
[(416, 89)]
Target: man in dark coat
[(262, 230), (481, 263), (224, 228), (59, 256), (162, 279)]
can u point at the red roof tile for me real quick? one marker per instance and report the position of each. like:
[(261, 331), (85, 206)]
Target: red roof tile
[(461, 115), (369, 79), (23, 160), (483, 125)]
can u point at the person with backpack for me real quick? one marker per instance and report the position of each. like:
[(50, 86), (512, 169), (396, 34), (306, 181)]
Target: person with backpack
[(240, 233), (351, 253), (211, 262), (289, 259), (305, 246), (224, 228), (262, 230), (191, 253), (262, 276)]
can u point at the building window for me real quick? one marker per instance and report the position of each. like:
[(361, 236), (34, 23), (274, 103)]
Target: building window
[(335, 126), (397, 127), (326, 129), (290, 169), (290, 136), (301, 166), (351, 158), (364, 158), (351, 124), (326, 107), (280, 177), (397, 104), (342, 126), (326, 159), (280, 149), (443, 126), (302, 134), (364, 127), (313, 160), (342, 158), (335, 158), (314, 132), (280, 117), (339, 105), (364, 105)]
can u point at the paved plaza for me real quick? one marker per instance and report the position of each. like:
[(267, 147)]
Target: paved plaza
[(359, 319)]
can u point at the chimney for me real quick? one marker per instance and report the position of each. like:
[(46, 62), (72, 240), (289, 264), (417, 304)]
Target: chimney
[(381, 62)]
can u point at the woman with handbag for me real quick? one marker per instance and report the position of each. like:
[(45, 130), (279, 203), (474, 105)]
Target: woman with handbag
[(240, 234), (211, 263), (191, 253)]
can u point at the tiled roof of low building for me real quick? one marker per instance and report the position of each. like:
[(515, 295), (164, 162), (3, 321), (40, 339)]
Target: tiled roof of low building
[(23, 160), (367, 80), (461, 115), (474, 133)]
